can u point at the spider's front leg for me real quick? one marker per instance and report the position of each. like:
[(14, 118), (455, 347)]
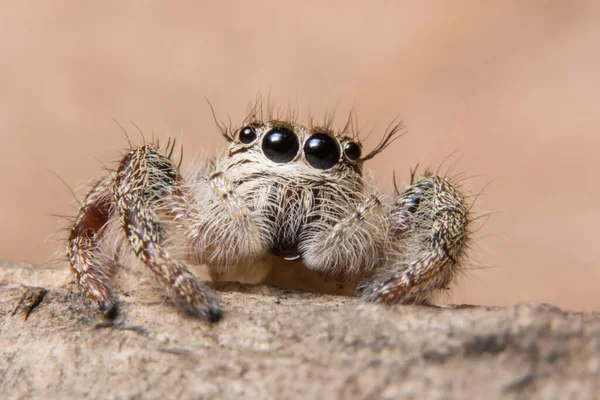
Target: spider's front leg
[(143, 178), (428, 229)]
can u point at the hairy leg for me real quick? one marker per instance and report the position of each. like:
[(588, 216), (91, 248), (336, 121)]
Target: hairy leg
[(83, 250), (143, 178), (428, 229)]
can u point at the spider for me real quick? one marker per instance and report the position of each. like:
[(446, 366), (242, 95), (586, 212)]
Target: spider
[(281, 192)]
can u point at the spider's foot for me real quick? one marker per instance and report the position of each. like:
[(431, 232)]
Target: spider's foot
[(99, 297), (213, 313), (198, 300), (210, 312), (108, 308), (389, 291), (105, 305), (363, 289)]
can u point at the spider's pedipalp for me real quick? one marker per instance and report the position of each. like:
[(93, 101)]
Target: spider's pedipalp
[(428, 231), (345, 246)]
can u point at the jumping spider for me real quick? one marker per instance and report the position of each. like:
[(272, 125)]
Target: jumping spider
[(281, 191)]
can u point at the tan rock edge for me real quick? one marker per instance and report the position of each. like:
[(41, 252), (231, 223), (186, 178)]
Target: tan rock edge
[(278, 344)]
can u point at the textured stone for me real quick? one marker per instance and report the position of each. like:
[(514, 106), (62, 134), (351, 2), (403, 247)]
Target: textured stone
[(278, 344)]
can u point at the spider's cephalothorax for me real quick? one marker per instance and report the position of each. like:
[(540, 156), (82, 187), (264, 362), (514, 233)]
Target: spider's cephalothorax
[(280, 191), (293, 191)]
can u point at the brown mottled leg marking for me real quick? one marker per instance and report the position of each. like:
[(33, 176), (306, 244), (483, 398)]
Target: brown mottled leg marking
[(433, 214), (143, 177), (82, 246)]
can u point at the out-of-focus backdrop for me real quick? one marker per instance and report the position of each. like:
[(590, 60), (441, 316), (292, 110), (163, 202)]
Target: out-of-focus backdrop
[(513, 87)]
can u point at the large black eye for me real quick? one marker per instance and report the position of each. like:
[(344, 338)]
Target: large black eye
[(280, 145), (321, 151), (247, 135), (352, 151)]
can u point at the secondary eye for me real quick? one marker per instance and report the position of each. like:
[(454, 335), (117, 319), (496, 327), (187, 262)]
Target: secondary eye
[(280, 145), (352, 151), (247, 135), (321, 151)]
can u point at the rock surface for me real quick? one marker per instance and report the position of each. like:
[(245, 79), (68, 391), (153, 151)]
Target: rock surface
[(279, 344)]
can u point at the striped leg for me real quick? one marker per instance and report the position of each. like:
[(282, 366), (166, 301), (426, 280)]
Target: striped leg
[(145, 176), (428, 231), (83, 250)]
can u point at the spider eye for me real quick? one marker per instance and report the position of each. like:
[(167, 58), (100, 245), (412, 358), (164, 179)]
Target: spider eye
[(321, 151), (247, 135), (280, 145), (352, 151)]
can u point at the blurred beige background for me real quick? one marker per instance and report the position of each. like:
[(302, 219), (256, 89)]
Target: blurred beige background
[(513, 87)]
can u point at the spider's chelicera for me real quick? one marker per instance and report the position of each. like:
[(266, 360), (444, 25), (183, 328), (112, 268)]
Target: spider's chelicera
[(281, 191)]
